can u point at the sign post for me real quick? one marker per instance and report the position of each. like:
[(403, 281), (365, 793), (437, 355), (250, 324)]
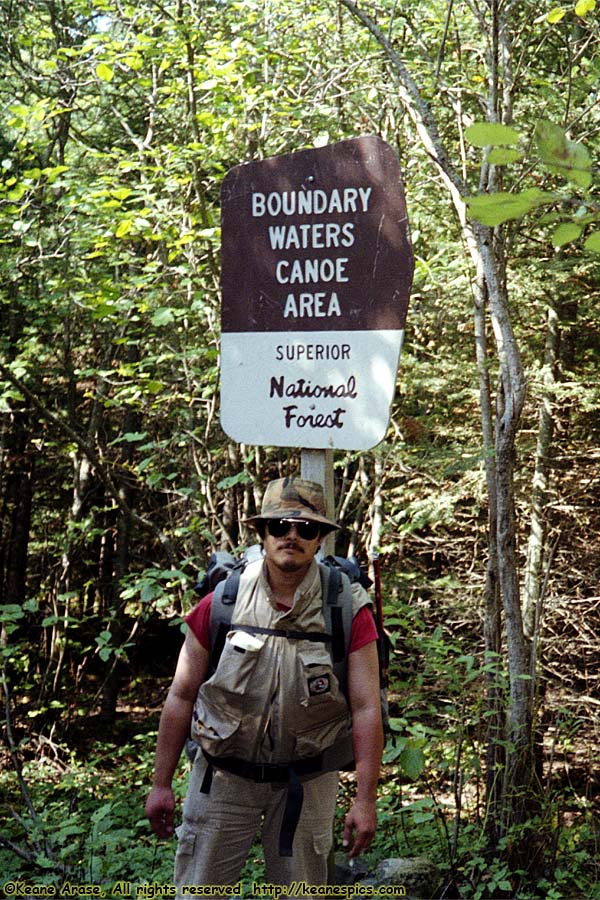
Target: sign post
[(317, 465), (317, 267)]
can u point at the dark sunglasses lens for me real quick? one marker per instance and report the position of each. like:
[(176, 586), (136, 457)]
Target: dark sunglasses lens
[(278, 528), (308, 531)]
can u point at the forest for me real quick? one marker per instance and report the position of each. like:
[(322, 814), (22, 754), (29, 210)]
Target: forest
[(118, 122)]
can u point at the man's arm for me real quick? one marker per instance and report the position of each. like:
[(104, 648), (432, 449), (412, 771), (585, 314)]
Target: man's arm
[(367, 735), (173, 731)]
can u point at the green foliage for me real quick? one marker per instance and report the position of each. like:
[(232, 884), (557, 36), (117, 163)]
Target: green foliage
[(493, 134), (117, 125), (561, 156), (439, 733), (570, 160), (494, 209), (89, 827)]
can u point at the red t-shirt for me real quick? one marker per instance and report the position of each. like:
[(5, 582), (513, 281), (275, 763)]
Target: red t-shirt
[(363, 629)]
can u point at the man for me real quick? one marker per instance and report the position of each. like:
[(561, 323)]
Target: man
[(270, 715)]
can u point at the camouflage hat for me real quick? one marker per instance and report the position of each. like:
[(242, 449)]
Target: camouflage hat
[(294, 498)]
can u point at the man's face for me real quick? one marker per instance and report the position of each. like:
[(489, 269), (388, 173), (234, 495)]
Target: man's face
[(289, 543)]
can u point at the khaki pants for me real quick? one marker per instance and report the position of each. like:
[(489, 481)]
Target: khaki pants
[(219, 828)]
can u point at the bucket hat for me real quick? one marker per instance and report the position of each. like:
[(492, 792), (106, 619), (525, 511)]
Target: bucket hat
[(294, 498)]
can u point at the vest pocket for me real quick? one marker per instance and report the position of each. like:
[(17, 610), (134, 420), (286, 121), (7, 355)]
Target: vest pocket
[(323, 713), (215, 730), (314, 740), (239, 660), (232, 702)]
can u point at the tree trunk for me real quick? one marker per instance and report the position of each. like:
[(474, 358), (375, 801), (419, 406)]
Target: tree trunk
[(541, 477), (492, 627), (486, 251), (509, 405), (16, 479), (15, 512), (115, 612)]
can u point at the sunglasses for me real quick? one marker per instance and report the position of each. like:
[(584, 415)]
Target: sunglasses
[(305, 529)]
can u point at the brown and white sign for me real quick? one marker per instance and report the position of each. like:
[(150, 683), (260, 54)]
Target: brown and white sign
[(316, 274)]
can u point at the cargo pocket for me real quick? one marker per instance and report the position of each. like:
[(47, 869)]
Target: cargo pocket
[(323, 711), (184, 856), (323, 841)]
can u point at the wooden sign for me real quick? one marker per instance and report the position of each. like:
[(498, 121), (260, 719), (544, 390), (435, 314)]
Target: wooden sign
[(316, 274)]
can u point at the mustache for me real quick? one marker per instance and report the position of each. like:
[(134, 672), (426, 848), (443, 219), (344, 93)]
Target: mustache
[(291, 545)]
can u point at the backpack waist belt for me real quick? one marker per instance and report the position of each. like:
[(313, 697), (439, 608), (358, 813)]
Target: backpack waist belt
[(263, 773), (269, 773)]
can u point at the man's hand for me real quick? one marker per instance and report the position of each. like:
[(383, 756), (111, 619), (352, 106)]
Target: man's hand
[(361, 821), (160, 807)]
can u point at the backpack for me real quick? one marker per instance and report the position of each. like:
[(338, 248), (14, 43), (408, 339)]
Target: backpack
[(223, 576)]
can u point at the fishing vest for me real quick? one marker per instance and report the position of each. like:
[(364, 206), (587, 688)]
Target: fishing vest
[(274, 698)]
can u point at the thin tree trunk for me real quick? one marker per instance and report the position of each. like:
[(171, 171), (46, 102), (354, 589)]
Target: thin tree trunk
[(15, 510), (16, 478), (509, 405), (116, 623), (376, 508), (541, 477), (488, 258), (492, 627)]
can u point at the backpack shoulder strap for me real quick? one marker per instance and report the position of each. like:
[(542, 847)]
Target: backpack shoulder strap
[(221, 611), (337, 612)]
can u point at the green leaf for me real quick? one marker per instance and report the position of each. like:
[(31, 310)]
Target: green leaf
[(420, 818), (566, 233), (149, 591), (104, 72), (570, 159), (494, 209), (555, 15), (17, 192), (133, 61), (231, 480), (123, 228), (593, 242), (44, 863), (485, 134), (503, 155), (9, 612), (412, 761), (121, 193), (133, 437), (583, 7), (163, 316)]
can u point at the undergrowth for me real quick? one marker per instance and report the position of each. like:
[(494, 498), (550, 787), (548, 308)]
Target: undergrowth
[(77, 815)]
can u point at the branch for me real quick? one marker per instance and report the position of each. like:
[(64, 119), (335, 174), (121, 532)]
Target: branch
[(18, 851), (418, 108)]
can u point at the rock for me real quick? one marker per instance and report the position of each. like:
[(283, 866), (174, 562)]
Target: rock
[(418, 875), (349, 871)]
